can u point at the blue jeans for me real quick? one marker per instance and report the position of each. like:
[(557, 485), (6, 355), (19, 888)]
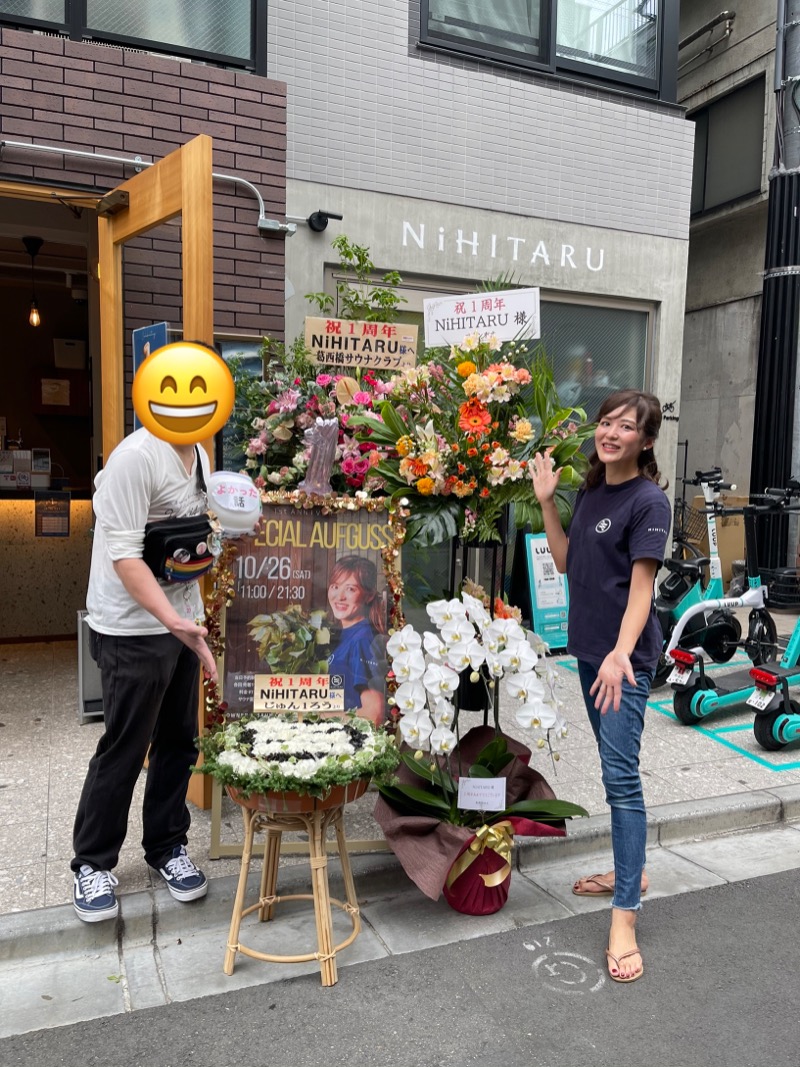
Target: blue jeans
[(619, 735)]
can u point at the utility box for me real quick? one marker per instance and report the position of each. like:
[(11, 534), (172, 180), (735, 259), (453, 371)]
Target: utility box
[(730, 532), (90, 689)]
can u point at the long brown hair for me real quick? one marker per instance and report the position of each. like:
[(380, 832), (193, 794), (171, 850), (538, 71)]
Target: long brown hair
[(366, 574), (648, 422)]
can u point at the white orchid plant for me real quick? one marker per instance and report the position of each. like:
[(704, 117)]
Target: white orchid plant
[(427, 669)]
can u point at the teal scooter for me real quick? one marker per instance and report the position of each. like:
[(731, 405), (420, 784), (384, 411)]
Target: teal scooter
[(685, 600), (697, 695)]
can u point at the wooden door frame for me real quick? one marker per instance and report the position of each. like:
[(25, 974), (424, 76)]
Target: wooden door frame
[(178, 184)]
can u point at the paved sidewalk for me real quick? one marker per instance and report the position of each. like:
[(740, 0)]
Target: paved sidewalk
[(699, 782)]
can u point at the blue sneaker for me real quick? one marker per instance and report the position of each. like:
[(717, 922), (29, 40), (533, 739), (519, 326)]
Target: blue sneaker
[(184, 880), (93, 894)]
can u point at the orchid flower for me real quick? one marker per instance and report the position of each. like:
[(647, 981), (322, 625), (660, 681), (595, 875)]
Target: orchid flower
[(434, 646), (526, 685), (518, 656), (476, 611), (408, 666), (537, 713), (442, 740), (440, 680), (442, 611), (416, 729), (405, 640), (443, 712), (410, 697)]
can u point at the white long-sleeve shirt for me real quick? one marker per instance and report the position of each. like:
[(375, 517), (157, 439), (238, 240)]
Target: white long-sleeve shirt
[(144, 480)]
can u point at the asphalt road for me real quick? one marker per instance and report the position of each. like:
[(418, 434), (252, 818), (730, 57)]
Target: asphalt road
[(719, 990)]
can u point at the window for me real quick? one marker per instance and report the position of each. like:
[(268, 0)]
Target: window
[(728, 148), (618, 40), (201, 26), (232, 34)]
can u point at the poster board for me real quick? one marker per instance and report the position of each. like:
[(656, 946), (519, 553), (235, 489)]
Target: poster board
[(549, 593), (307, 626)]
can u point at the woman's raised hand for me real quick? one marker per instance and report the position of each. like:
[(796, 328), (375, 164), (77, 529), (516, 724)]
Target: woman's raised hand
[(544, 475)]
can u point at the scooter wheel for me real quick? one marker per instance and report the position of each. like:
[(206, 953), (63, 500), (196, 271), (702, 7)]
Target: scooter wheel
[(762, 640), (724, 633), (682, 704), (764, 727)]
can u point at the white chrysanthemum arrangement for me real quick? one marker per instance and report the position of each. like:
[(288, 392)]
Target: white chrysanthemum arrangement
[(279, 753)]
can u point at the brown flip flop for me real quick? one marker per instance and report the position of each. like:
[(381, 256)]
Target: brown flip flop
[(617, 960), (606, 888)]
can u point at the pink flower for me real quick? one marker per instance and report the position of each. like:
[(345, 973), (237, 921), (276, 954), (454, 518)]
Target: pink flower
[(323, 380), (259, 482), (257, 446), (362, 398), (287, 401)]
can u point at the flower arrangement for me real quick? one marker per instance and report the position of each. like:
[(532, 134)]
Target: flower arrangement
[(442, 846), (292, 642), (279, 753), (455, 435), (294, 394)]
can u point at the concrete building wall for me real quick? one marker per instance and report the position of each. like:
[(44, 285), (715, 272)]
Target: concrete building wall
[(726, 250)]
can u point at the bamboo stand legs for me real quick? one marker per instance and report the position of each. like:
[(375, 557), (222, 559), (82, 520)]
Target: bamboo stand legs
[(315, 824)]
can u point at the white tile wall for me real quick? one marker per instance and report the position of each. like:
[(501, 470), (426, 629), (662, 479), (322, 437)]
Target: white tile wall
[(369, 111)]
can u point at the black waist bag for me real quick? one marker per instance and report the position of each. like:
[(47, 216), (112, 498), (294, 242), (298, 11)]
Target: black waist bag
[(181, 549)]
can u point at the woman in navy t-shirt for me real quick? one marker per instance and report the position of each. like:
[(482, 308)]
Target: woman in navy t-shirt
[(613, 549), (358, 657)]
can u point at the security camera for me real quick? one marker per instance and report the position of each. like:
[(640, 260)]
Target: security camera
[(79, 294), (320, 219)]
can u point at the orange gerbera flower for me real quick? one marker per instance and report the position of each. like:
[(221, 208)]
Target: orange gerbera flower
[(474, 417), (425, 486)]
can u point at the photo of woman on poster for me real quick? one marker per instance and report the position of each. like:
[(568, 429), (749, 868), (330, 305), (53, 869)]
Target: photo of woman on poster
[(357, 612)]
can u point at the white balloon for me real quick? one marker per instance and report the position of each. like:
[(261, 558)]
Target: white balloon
[(235, 501)]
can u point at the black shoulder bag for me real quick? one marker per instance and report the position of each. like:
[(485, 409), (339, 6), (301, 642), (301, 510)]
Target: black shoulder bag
[(182, 549)]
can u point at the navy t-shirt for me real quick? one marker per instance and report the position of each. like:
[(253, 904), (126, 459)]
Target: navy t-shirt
[(612, 526), (355, 661)]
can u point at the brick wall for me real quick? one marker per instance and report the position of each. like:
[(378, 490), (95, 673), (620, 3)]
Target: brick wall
[(107, 100)]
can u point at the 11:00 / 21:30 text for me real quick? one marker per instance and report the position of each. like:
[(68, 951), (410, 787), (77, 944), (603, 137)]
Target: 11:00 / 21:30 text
[(269, 570)]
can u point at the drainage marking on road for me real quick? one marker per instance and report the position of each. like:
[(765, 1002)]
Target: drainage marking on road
[(565, 972)]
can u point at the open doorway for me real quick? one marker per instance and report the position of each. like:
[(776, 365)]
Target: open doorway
[(45, 369)]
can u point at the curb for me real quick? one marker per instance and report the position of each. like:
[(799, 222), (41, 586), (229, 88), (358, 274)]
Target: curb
[(147, 914)]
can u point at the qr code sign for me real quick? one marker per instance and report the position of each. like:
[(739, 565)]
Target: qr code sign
[(548, 570)]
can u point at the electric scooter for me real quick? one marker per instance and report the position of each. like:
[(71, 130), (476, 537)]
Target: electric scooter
[(715, 630), (696, 694)]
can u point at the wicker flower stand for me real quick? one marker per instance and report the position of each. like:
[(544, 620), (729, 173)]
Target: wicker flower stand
[(272, 813)]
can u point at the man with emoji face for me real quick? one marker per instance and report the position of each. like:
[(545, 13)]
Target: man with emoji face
[(147, 635)]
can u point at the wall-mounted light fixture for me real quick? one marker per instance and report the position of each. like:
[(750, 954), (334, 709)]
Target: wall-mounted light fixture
[(32, 246), (320, 219)]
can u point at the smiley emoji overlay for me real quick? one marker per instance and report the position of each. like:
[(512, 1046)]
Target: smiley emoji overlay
[(183, 393)]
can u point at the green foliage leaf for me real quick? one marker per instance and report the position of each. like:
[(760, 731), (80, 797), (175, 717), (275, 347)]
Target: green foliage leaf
[(545, 810)]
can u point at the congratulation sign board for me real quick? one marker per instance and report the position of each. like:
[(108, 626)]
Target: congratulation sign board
[(511, 315), (306, 628), (349, 344)]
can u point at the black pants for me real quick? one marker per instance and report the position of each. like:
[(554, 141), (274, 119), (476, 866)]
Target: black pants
[(149, 698)]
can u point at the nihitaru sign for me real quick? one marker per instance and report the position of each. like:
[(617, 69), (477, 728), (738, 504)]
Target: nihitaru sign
[(509, 315)]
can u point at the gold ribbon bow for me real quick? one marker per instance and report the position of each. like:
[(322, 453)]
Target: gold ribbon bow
[(500, 838)]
